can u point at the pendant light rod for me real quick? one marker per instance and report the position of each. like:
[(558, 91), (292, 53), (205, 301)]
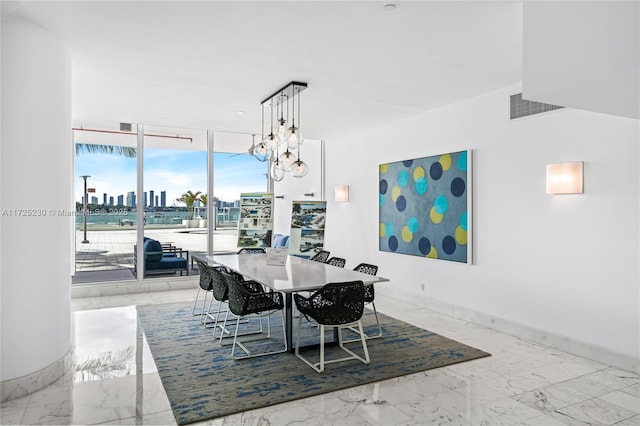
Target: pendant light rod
[(287, 90)]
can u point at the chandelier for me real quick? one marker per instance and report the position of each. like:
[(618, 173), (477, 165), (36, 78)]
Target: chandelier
[(282, 144)]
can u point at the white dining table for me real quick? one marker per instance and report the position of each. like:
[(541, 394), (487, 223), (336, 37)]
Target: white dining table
[(298, 274)]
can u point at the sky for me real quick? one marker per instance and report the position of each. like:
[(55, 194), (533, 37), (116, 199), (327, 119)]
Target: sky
[(174, 171)]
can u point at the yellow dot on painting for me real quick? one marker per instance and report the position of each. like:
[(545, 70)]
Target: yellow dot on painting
[(433, 253), (384, 168), (395, 193), (461, 235), (407, 235), (382, 230), (418, 173), (445, 162), (435, 216)]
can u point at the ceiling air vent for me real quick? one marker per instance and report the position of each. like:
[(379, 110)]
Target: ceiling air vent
[(125, 127), (522, 107)]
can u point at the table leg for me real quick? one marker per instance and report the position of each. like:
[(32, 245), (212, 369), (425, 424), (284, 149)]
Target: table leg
[(288, 322)]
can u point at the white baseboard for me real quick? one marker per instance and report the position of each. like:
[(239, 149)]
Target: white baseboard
[(112, 288), (22, 386), (543, 337)]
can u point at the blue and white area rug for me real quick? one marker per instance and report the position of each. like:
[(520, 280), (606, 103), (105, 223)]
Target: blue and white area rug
[(203, 382)]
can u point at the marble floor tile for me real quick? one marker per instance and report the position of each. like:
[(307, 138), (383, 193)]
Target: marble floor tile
[(502, 412), (549, 398), (633, 390), (633, 421), (594, 411), (623, 400), (522, 383)]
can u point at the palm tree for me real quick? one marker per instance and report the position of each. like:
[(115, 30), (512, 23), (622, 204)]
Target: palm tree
[(204, 199), (189, 198), (90, 148)]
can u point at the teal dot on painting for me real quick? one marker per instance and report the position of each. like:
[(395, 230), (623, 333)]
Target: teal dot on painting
[(403, 178), (462, 161), (413, 224), (463, 221), (441, 204), (389, 229), (421, 186), (381, 197)]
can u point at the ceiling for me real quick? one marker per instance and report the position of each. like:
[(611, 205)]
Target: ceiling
[(209, 64)]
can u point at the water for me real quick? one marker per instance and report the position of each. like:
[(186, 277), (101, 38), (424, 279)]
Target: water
[(128, 218)]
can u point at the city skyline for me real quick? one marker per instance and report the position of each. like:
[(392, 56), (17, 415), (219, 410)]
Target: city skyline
[(173, 171)]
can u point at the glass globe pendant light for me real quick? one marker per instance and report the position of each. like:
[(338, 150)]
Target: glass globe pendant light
[(275, 140), (277, 174), (271, 140), (282, 123), (293, 137), (299, 168), (262, 152), (287, 159)]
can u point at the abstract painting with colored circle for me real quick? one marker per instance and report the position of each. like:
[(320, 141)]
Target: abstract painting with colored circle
[(425, 207)]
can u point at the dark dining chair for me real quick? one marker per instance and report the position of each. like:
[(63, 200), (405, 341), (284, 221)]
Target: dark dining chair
[(338, 305), (243, 302), (321, 256), (252, 250), (220, 292), (204, 285), (337, 261), (369, 294)]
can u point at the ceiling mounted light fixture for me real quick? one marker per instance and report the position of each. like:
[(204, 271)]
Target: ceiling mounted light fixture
[(271, 140), (284, 136), (262, 152)]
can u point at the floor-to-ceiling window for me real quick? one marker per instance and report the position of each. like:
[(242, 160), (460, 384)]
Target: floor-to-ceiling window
[(179, 205), (105, 227), (175, 191)]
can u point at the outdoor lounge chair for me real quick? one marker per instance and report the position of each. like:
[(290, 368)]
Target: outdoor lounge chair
[(159, 259)]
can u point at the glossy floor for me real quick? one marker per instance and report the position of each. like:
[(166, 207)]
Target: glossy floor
[(520, 384)]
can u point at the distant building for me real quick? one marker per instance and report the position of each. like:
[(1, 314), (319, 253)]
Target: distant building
[(104, 198), (144, 199), (111, 200), (151, 199), (94, 200), (163, 198), (121, 200), (131, 199), (156, 201)]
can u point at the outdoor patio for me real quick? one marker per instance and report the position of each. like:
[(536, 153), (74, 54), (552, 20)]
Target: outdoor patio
[(108, 256)]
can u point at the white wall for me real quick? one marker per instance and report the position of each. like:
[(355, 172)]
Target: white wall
[(36, 174), (566, 264)]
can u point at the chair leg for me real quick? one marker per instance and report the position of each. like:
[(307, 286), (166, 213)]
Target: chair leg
[(297, 351), (362, 339), (375, 312), (368, 336), (321, 348), (241, 345), (319, 366), (240, 320), (208, 314), (195, 303)]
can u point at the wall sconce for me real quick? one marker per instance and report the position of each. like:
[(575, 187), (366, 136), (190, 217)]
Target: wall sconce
[(565, 178), (342, 193)]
